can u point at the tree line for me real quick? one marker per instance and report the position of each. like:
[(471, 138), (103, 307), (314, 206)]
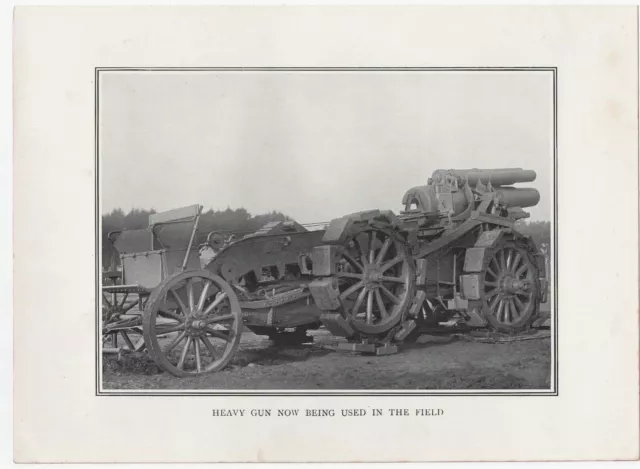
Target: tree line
[(230, 220), (540, 231)]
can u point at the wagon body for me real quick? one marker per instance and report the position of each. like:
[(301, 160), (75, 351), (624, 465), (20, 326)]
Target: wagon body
[(146, 257)]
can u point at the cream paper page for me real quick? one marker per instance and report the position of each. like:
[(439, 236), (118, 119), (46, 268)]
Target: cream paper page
[(61, 412)]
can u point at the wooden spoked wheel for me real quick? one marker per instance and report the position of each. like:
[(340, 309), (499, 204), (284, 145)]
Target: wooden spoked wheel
[(192, 323), (376, 280), (130, 339), (511, 287), (120, 325)]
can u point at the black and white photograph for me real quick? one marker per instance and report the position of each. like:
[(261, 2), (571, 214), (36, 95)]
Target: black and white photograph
[(299, 230), (325, 234)]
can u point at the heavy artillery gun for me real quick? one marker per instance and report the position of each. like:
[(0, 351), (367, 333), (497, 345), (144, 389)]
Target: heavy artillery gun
[(451, 257)]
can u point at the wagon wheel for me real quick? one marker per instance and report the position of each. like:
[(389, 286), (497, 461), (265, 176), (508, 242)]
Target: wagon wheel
[(117, 323), (192, 323), (511, 287), (376, 280), (130, 339)]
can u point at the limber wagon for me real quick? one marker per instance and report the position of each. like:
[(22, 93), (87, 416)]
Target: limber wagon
[(452, 257)]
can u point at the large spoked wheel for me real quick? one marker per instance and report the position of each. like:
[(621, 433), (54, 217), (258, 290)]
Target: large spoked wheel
[(376, 280), (511, 287), (192, 323)]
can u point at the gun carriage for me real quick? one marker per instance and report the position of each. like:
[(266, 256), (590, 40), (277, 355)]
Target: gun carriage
[(452, 257)]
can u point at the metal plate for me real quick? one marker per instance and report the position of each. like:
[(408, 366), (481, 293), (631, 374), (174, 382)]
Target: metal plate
[(471, 286), (177, 214), (474, 259)]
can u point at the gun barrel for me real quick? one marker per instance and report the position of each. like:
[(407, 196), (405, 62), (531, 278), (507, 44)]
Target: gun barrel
[(497, 177), (516, 197)]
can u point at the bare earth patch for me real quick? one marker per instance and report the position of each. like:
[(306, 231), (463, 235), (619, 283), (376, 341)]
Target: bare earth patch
[(436, 363)]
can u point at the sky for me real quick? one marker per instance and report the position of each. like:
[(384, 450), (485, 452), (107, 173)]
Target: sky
[(314, 145)]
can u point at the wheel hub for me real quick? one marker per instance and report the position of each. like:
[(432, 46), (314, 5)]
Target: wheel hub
[(511, 285), (372, 277), (194, 325)]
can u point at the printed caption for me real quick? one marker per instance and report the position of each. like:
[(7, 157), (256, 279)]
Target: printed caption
[(329, 412)]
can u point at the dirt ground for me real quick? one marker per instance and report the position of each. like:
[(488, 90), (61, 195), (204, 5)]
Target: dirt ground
[(436, 362)]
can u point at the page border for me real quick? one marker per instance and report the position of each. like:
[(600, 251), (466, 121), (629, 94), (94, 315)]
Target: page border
[(552, 392)]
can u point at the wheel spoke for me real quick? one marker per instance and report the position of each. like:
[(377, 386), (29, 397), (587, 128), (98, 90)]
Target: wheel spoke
[(183, 356), (372, 247), (493, 305), (218, 334), (124, 298), (203, 296), (516, 313), (519, 303), (491, 294), (179, 301), (107, 300), (500, 308), (139, 344), (521, 270), (362, 240), (507, 311), (209, 346), (175, 342), (502, 261), (165, 329), (491, 272), (353, 261), (392, 279), (219, 298), (383, 251), (171, 315), (350, 275), (370, 306), (222, 317), (190, 298), (390, 295), (381, 307), (351, 290), (391, 263), (359, 300), (129, 307), (516, 262), (510, 253), (491, 284), (196, 346), (126, 338)]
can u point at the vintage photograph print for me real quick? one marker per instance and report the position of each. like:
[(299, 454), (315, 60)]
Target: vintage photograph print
[(300, 231)]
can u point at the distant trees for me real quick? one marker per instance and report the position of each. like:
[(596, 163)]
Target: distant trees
[(540, 231), (230, 220)]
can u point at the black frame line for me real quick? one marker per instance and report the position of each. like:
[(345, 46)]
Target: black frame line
[(553, 392)]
